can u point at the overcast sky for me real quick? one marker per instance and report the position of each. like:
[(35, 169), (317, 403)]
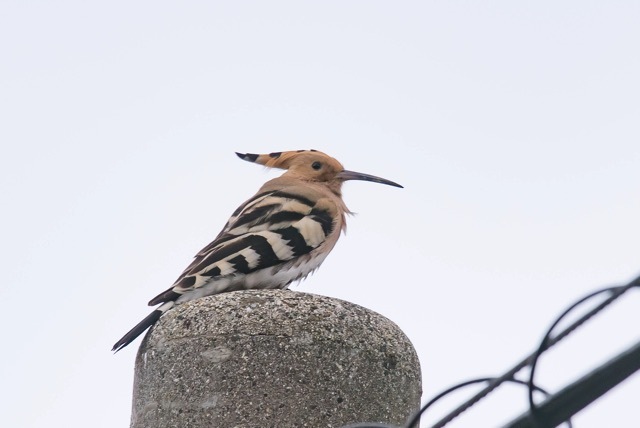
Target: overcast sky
[(514, 127)]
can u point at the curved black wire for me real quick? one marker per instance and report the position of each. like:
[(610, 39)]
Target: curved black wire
[(543, 343), (416, 417), (531, 361), (615, 293)]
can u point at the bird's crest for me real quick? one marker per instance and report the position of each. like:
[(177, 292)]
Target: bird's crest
[(311, 165), (284, 160), (306, 165)]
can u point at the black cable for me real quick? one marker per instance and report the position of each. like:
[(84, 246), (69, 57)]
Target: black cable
[(416, 418), (531, 360), (581, 393), (615, 293), (527, 360)]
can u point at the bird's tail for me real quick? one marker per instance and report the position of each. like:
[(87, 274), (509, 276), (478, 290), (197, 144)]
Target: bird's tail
[(141, 326)]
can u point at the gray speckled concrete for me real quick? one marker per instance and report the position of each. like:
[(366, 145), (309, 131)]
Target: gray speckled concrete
[(273, 358)]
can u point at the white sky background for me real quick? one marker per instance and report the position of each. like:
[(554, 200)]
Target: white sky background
[(514, 127)]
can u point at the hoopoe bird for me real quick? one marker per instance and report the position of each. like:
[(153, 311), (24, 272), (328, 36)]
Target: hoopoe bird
[(278, 236)]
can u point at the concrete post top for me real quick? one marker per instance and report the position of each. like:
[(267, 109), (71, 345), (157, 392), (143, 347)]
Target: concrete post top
[(278, 312), (273, 358)]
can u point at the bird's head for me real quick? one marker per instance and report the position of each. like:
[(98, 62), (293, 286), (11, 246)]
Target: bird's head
[(312, 166)]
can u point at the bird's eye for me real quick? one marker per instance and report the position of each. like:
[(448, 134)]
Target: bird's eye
[(316, 165)]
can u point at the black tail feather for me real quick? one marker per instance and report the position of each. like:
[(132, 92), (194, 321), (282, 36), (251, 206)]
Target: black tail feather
[(137, 330)]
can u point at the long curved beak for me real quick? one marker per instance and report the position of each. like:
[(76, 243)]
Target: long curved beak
[(351, 175)]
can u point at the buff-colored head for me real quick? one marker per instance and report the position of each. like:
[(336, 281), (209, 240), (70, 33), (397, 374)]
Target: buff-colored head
[(311, 165)]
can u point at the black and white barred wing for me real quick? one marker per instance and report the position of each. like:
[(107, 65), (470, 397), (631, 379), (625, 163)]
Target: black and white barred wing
[(270, 229)]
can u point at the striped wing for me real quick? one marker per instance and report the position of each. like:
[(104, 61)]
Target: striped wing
[(267, 230)]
